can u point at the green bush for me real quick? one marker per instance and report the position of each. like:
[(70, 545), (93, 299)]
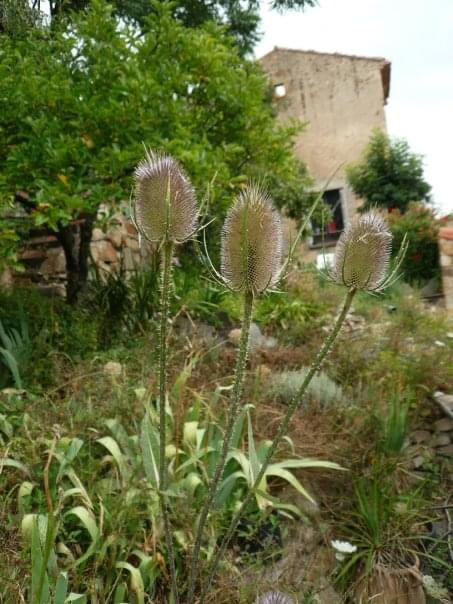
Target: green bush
[(421, 227)]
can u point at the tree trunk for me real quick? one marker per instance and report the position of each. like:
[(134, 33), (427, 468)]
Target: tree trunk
[(75, 239)]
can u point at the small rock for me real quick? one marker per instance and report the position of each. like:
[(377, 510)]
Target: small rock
[(445, 401), (256, 337), (441, 440), (113, 368), (417, 462), (443, 425), (270, 342), (450, 334), (256, 340), (234, 336), (446, 451), (420, 436), (439, 344)]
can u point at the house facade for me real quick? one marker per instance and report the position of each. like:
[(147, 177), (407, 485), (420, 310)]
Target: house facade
[(340, 99)]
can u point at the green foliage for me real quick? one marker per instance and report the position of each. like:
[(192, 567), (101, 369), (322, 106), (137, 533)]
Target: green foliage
[(104, 496), (44, 329), (78, 100), (394, 427), (384, 527), (322, 391), (421, 227), (389, 176), (15, 350), (124, 303), (239, 17)]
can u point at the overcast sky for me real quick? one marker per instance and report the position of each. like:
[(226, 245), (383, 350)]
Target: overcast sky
[(417, 37)]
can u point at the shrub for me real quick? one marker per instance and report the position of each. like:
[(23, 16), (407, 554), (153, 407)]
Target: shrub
[(421, 227)]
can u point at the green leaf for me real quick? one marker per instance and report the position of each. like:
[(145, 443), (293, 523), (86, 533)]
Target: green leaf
[(61, 588), (290, 478), (13, 463), (149, 443), (88, 520), (136, 580), (113, 448)]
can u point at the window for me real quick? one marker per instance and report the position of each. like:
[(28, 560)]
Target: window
[(329, 233), (279, 91)]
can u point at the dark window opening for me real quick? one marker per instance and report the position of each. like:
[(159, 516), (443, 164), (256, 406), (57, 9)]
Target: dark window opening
[(329, 232)]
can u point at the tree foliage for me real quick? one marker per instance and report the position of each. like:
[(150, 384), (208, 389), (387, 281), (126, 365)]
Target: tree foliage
[(78, 100), (390, 175), (240, 17)]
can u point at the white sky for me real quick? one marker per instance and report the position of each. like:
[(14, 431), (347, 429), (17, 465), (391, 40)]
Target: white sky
[(417, 37)]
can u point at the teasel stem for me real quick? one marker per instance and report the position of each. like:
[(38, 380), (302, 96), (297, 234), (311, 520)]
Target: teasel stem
[(232, 417), (283, 429), (166, 265)]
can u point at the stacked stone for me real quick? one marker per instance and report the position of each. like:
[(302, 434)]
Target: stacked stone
[(434, 441), (119, 243), (446, 263), (45, 264)]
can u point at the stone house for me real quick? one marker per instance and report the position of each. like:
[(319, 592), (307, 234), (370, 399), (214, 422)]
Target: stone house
[(341, 99)]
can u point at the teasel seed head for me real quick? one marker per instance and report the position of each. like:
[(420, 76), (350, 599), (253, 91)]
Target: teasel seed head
[(362, 254), (251, 243), (165, 206), (274, 597)]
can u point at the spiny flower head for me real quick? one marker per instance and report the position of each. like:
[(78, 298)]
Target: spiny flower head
[(274, 597), (165, 202), (362, 254), (251, 242)]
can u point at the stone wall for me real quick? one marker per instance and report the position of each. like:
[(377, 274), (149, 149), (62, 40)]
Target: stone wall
[(44, 260), (446, 263)]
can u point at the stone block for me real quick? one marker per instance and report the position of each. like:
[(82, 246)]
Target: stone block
[(104, 252), (443, 425), (446, 247), (441, 440), (97, 235), (420, 436), (446, 451), (54, 263), (132, 244), (115, 236)]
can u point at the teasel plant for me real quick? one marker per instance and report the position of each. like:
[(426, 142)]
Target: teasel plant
[(362, 263), (165, 214), (251, 253)]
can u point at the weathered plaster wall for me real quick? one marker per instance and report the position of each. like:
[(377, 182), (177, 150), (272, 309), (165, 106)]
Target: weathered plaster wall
[(340, 98)]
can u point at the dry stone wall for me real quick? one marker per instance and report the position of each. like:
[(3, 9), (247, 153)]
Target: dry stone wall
[(44, 260)]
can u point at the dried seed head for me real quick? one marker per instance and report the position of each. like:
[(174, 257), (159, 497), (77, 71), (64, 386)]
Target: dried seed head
[(251, 242), (274, 597), (363, 252), (165, 202)]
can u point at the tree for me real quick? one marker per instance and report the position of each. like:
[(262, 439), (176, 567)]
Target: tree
[(240, 17), (390, 175), (77, 103)]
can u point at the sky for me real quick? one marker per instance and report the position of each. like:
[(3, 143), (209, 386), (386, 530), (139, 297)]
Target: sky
[(417, 37)]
